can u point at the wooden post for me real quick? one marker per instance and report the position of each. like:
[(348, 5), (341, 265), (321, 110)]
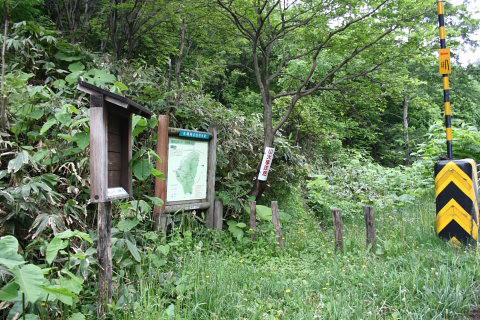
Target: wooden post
[(218, 215), (104, 247), (212, 164), (276, 223), (159, 215), (370, 224), (253, 219), (338, 223)]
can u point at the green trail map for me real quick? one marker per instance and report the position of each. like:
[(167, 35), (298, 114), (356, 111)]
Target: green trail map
[(187, 169)]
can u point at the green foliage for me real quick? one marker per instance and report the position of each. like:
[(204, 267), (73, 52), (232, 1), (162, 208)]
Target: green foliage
[(355, 181)]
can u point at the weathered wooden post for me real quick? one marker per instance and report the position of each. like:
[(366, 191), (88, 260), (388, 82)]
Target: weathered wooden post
[(159, 216), (253, 219), (370, 224), (212, 163), (338, 223), (110, 171), (218, 215), (276, 223)]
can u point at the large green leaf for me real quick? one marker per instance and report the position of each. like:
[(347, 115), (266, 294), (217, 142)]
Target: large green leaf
[(133, 250), (17, 163), (53, 247), (236, 231), (10, 292), (77, 316), (142, 169), (127, 224), (31, 281), (264, 213), (47, 125), (58, 292), (9, 256)]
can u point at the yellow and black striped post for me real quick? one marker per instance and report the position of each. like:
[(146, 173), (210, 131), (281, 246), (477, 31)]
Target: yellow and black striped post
[(445, 70), (455, 180)]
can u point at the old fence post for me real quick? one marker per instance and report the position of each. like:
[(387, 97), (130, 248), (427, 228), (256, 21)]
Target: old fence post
[(253, 219), (276, 223), (338, 223), (370, 224), (218, 215)]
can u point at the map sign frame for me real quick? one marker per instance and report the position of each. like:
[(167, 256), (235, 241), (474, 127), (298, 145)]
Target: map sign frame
[(190, 178)]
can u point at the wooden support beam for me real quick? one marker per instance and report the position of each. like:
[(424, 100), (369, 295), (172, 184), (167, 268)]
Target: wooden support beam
[(159, 215), (218, 215)]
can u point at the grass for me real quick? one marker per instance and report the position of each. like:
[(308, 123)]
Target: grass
[(411, 275)]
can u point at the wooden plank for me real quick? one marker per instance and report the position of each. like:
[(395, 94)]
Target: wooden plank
[(104, 249), (114, 124), (189, 206), (159, 215), (126, 154), (338, 224), (370, 226), (212, 165), (98, 149), (114, 142), (114, 161), (253, 219), (114, 178), (277, 224)]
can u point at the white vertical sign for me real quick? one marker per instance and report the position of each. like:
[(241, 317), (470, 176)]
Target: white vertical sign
[(266, 163)]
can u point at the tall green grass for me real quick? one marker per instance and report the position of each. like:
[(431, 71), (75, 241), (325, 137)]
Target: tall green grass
[(411, 275)]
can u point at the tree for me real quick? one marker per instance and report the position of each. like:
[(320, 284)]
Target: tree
[(301, 48)]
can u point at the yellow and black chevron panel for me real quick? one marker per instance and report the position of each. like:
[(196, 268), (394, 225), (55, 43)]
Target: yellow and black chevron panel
[(456, 198)]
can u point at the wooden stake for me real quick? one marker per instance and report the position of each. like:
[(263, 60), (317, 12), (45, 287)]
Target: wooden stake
[(218, 215), (104, 227), (253, 219), (370, 224), (276, 223), (212, 163), (338, 223), (159, 215)]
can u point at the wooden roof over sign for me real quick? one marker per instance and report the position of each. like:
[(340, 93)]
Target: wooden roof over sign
[(115, 99)]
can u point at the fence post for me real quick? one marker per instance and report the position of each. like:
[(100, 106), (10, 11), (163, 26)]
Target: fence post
[(276, 223), (218, 215), (338, 223), (370, 224), (253, 219)]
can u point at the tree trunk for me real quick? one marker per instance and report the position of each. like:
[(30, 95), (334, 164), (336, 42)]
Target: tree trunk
[(179, 63), (405, 127), (3, 105)]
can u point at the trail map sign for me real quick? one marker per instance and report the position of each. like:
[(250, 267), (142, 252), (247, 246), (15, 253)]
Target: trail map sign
[(187, 170), (189, 159)]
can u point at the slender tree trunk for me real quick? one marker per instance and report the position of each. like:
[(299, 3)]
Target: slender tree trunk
[(3, 105), (405, 127), (179, 63)]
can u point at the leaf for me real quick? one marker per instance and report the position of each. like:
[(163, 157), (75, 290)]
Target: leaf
[(157, 173), (17, 163), (133, 250), (9, 292), (156, 201), (241, 225), (53, 247), (82, 139), (47, 125), (30, 279), (9, 256), (142, 169), (77, 316), (164, 249), (66, 57), (57, 292), (67, 234), (127, 224), (76, 66), (63, 117), (264, 213), (235, 230)]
